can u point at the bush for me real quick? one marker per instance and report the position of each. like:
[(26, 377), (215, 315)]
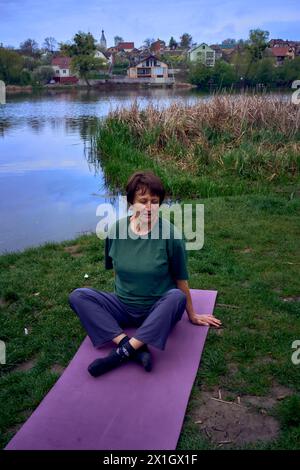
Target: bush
[(25, 77), (288, 412), (43, 74)]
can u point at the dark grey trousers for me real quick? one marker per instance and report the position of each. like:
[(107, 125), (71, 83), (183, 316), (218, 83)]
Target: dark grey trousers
[(103, 315)]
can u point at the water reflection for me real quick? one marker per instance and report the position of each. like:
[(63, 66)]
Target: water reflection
[(71, 107)]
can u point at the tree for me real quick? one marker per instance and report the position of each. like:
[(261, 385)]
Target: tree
[(43, 74), (148, 42), (240, 60), (186, 40), (172, 43), (223, 74), (264, 71), (12, 68), (256, 46), (229, 42), (118, 39), (258, 41), (242, 42), (120, 65), (30, 63), (50, 44), (174, 61), (82, 51), (83, 44), (29, 47), (288, 72), (199, 74)]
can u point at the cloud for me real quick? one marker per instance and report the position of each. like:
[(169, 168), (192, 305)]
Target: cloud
[(210, 22)]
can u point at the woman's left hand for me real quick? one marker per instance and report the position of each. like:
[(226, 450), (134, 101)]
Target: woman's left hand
[(205, 320)]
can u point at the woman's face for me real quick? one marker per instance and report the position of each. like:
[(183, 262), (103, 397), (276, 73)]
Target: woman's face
[(145, 206)]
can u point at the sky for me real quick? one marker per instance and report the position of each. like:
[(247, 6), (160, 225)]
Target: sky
[(208, 21)]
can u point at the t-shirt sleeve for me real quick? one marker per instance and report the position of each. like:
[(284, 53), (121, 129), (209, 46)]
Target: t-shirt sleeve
[(107, 259), (178, 260)]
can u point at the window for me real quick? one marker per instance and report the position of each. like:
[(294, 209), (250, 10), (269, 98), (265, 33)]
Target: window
[(150, 63), (56, 71), (159, 71), (64, 71), (143, 71)]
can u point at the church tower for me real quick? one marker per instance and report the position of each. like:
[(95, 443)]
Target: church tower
[(103, 41)]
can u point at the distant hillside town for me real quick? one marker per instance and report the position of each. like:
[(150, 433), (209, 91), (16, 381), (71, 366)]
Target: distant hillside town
[(256, 61)]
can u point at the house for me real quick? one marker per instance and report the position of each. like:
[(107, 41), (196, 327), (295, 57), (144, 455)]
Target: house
[(150, 68), (112, 50), (135, 56), (125, 46), (178, 52), (157, 47), (62, 70), (227, 45), (202, 53), (283, 43), (282, 53), (218, 51), (99, 55)]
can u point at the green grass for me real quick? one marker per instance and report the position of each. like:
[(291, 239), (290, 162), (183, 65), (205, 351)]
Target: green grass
[(250, 255), (222, 165)]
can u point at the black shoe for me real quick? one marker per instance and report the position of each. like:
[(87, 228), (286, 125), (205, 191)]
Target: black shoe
[(105, 364), (143, 356)]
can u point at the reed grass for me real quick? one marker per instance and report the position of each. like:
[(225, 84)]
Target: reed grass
[(227, 145)]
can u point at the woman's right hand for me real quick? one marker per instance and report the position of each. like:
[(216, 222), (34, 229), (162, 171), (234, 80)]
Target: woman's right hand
[(205, 320)]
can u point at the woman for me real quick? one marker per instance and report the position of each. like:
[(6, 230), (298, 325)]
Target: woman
[(151, 290)]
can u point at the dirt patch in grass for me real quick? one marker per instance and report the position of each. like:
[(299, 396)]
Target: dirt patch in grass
[(266, 360), (292, 298), (57, 369), (229, 420), (280, 392), (245, 250), (24, 416), (25, 366), (14, 429), (3, 302), (73, 250), (232, 368)]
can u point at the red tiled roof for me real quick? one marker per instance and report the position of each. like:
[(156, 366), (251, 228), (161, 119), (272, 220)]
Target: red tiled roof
[(125, 45), (280, 51), (61, 62)]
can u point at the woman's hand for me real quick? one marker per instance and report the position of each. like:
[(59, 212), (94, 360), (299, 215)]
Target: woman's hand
[(205, 320)]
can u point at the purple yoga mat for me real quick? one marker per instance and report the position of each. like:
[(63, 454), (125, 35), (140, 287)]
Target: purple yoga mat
[(127, 408)]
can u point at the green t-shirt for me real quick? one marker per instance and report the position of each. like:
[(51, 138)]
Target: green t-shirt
[(145, 267)]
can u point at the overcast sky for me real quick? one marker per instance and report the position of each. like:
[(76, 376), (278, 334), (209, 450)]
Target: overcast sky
[(207, 21)]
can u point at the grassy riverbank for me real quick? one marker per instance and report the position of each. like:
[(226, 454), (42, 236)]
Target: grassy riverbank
[(224, 146), (247, 387)]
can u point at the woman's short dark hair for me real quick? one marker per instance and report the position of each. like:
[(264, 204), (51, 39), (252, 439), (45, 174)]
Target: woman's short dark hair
[(144, 180)]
